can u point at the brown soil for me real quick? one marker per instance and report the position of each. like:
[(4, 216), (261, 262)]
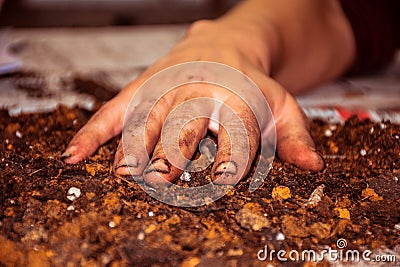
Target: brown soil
[(114, 223)]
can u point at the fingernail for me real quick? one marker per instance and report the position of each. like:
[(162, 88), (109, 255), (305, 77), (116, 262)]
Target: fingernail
[(158, 165), (68, 152), (129, 161), (312, 148), (225, 173), (65, 155), (228, 167), (132, 161)]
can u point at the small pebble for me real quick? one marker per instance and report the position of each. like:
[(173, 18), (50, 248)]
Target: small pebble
[(363, 152), (371, 130), (141, 236), (185, 177), (112, 224), (280, 237), (382, 125), (105, 259), (18, 134), (396, 137), (397, 227), (7, 141), (73, 193), (151, 214), (316, 196), (332, 127), (328, 133), (70, 208)]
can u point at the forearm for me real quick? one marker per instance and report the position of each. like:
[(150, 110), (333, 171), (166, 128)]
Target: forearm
[(300, 43)]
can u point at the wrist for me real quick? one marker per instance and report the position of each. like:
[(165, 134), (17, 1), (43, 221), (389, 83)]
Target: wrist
[(248, 40)]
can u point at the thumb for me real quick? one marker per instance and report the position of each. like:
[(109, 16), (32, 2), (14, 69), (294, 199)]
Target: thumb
[(294, 143)]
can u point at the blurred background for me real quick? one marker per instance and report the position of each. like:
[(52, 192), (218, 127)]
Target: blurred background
[(76, 13)]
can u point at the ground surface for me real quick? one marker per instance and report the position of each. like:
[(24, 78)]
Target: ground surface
[(114, 223)]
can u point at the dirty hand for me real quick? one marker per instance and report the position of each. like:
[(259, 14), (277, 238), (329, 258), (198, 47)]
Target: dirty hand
[(294, 144)]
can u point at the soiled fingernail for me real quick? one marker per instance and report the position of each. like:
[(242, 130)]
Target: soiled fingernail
[(225, 173), (312, 148), (159, 165), (129, 161), (69, 152), (65, 155), (118, 167), (228, 167)]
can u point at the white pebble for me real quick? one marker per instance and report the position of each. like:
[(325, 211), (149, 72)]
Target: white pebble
[(397, 227), (151, 214), (12, 201), (18, 134), (328, 133), (382, 125), (185, 177), (316, 196), (140, 236), (396, 137), (73, 193), (7, 141), (280, 237), (112, 224), (363, 152), (332, 127), (371, 130), (70, 208)]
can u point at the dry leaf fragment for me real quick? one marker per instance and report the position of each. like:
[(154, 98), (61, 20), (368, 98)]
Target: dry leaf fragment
[(343, 213), (281, 192), (370, 194)]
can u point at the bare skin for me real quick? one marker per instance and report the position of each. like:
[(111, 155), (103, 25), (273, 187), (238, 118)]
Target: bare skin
[(283, 46)]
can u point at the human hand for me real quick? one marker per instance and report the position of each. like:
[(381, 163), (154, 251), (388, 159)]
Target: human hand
[(294, 143)]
